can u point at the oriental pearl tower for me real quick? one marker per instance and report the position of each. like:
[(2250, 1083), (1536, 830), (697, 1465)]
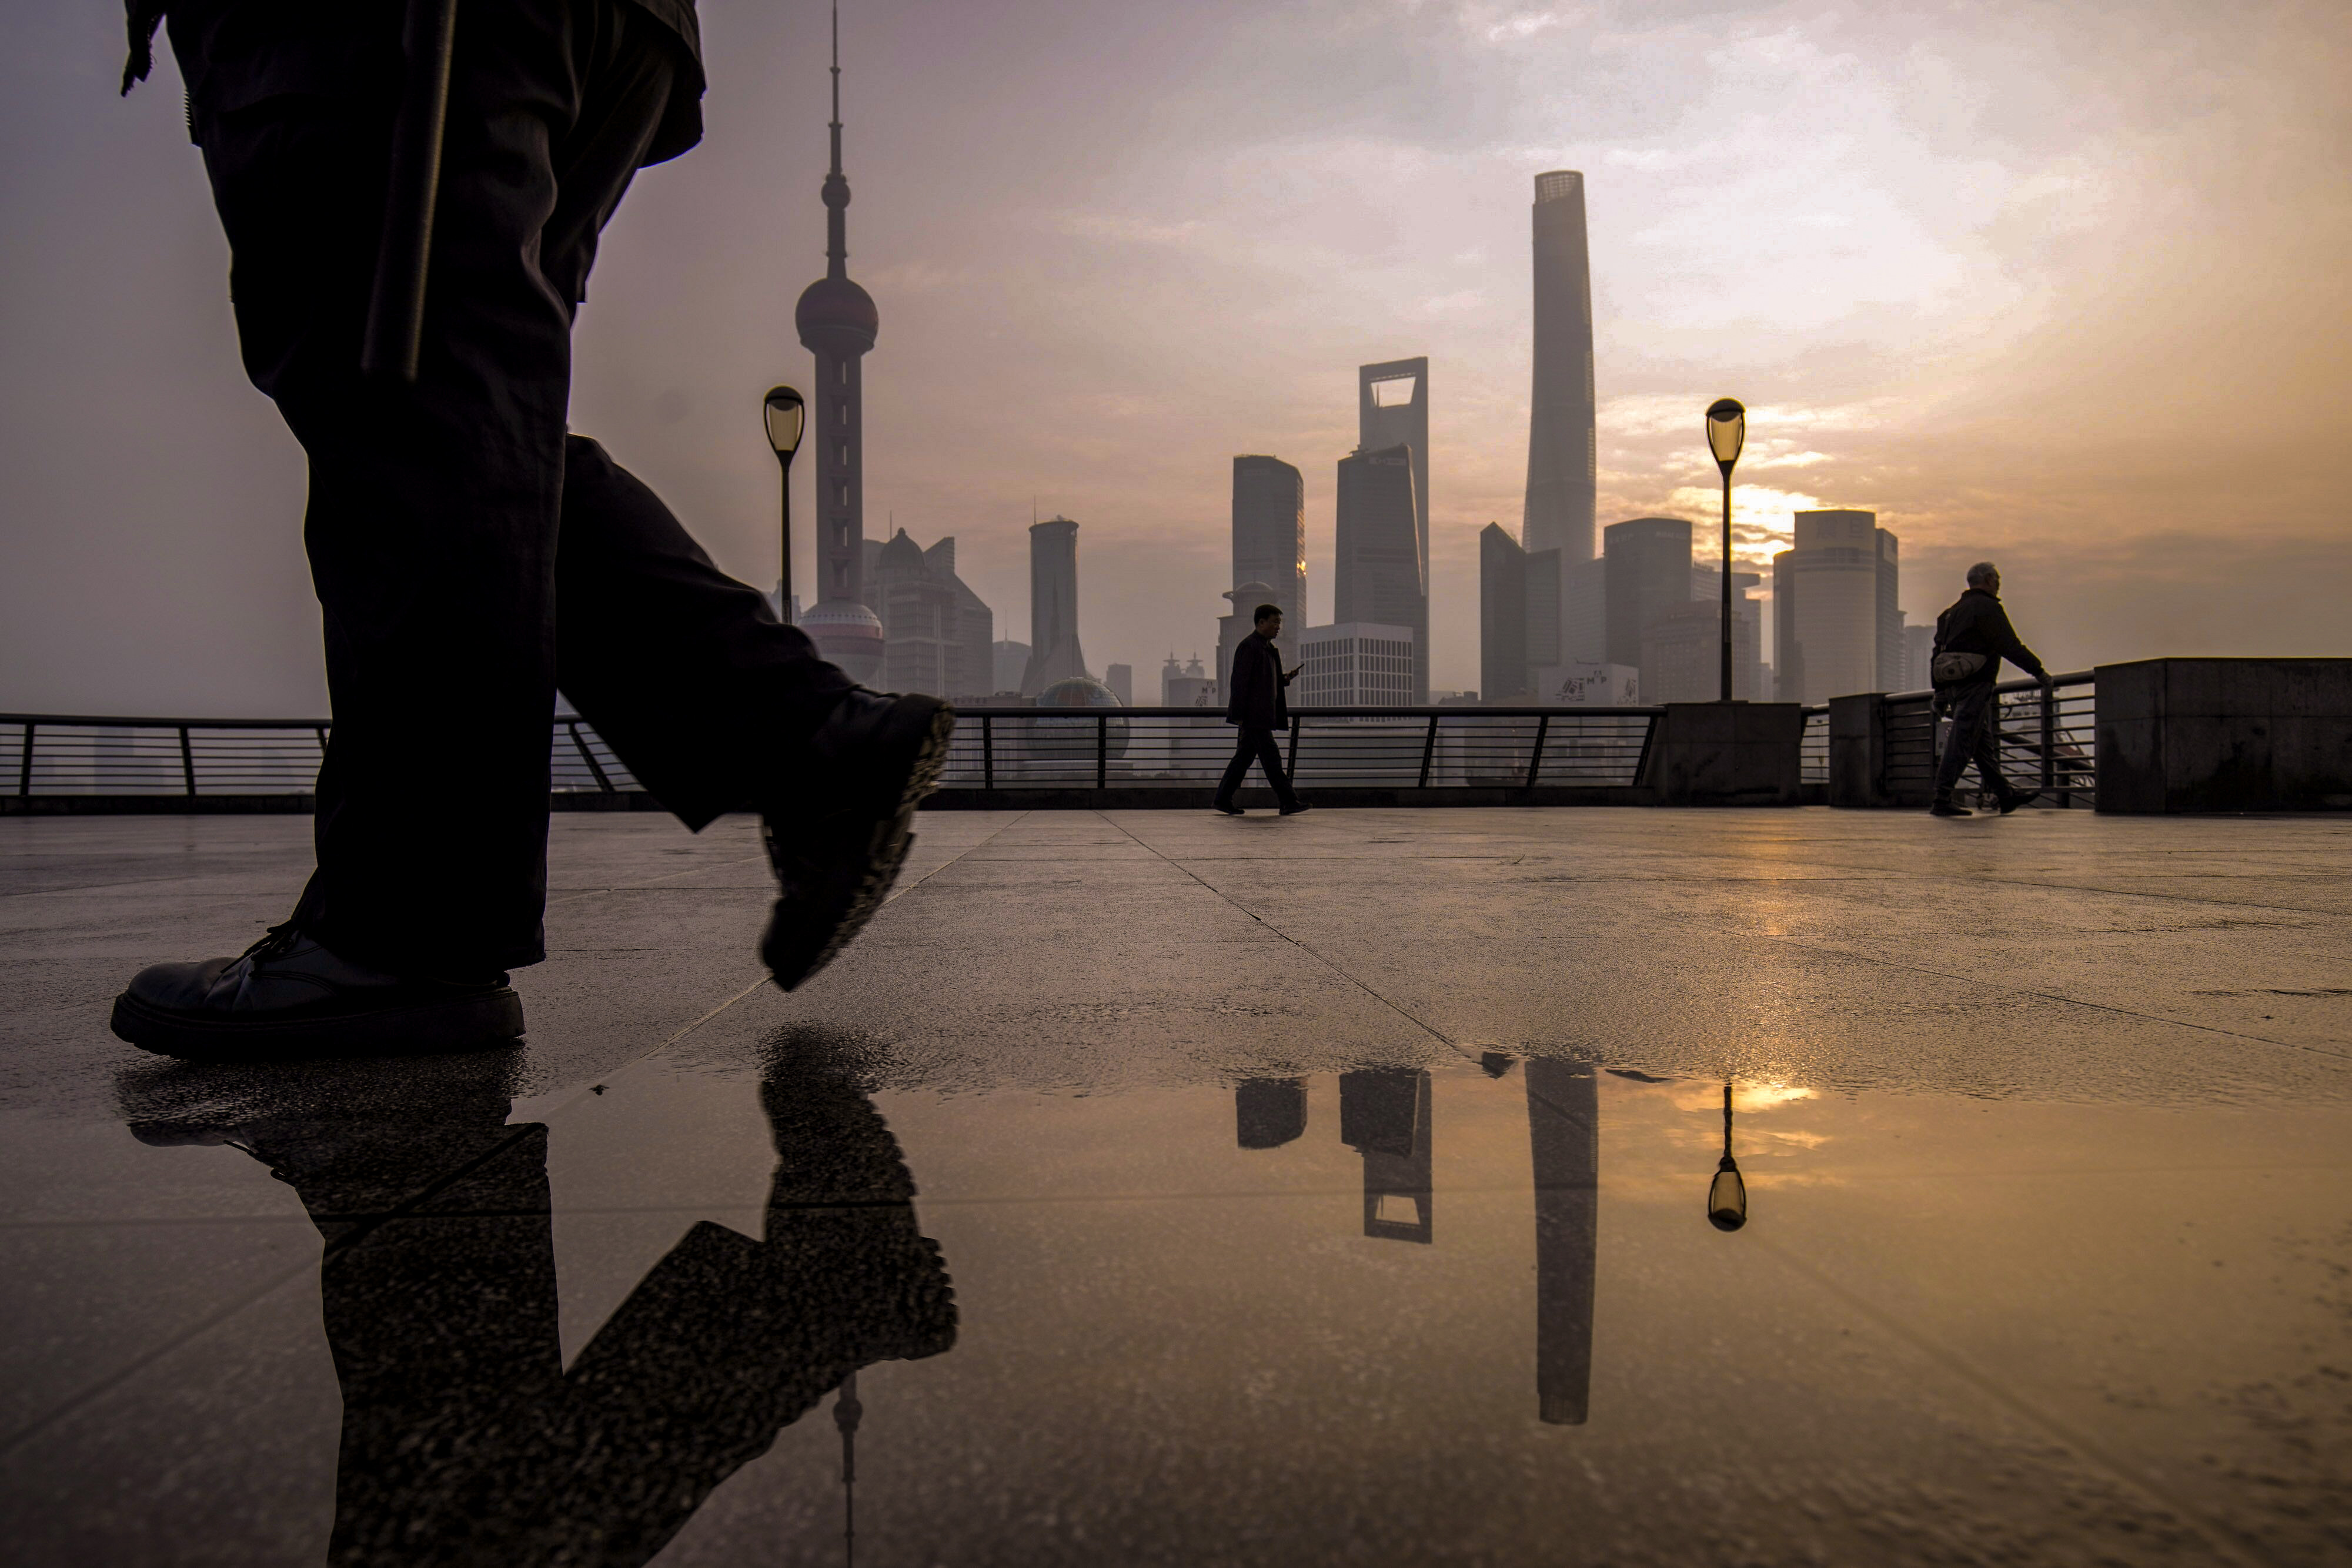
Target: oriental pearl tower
[(837, 323)]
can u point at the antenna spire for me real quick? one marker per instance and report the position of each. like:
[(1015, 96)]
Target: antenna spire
[(836, 184)]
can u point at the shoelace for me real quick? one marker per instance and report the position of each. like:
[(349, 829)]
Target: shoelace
[(280, 941)]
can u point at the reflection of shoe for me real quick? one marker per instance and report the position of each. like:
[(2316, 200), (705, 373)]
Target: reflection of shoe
[(1946, 808), (838, 847), (1295, 807), (1227, 807), (286, 997), (2016, 798)]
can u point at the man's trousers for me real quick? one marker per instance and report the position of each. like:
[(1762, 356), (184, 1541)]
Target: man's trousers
[(469, 555), (1975, 738), (1257, 745)]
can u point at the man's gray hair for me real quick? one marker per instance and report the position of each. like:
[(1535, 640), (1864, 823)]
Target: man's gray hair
[(1984, 571)]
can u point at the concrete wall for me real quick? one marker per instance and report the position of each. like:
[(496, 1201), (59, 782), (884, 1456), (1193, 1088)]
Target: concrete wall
[(1728, 754), (2225, 734)]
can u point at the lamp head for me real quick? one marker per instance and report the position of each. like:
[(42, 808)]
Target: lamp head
[(1727, 431), (786, 415), (1726, 1197)]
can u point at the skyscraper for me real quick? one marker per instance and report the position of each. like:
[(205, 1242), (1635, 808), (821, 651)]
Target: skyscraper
[(1648, 571), (837, 323), (1562, 445), (1382, 572), (1836, 629), (1054, 654), (1392, 410), (1502, 615), (1270, 531)]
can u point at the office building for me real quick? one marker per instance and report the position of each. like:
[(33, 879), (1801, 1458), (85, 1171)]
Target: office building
[(1836, 627), (1647, 571), (1270, 531), (1562, 438), (1502, 614), (1748, 679), (1587, 686), (1381, 574), (1355, 665), (1010, 661), (938, 635), (1584, 612), (1053, 652), (1392, 410), (1682, 651), (1918, 657), (837, 323), (1188, 686), (1121, 679)]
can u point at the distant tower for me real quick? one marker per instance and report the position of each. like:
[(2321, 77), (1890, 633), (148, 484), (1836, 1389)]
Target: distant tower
[(1270, 531), (837, 323), (1054, 654), (1381, 574), (1392, 410), (1563, 448)]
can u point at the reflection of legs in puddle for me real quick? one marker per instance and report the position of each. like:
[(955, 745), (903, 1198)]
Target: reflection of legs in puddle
[(1564, 1133), (464, 1440)]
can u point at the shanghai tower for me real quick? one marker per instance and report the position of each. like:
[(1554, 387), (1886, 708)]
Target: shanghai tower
[(1561, 445)]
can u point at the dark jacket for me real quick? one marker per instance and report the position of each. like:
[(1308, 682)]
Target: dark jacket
[(1254, 686), (1976, 624)]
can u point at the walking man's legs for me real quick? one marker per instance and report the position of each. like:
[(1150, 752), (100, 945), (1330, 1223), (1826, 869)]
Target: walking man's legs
[(433, 531), (1965, 743), (1259, 746)]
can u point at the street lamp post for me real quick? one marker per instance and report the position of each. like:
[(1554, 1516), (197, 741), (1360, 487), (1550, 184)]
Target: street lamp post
[(786, 415), (1727, 432), (1726, 1194)]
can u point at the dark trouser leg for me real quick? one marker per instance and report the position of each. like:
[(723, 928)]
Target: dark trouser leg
[(1987, 755), (696, 685), (1245, 751), (1269, 758), (432, 517), (1970, 722)]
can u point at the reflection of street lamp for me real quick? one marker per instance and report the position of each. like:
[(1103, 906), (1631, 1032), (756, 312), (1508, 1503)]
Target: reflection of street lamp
[(1727, 1196), (786, 415), (846, 1411), (1727, 432)]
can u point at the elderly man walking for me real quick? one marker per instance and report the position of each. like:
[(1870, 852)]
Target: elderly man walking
[(1255, 701), (1971, 640)]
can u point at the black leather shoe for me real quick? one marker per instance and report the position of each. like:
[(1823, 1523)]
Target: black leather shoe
[(2016, 798), (1295, 807), (1946, 808), (1228, 808), (837, 843), (286, 997)]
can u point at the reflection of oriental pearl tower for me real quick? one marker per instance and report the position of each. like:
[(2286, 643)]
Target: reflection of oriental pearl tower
[(838, 322)]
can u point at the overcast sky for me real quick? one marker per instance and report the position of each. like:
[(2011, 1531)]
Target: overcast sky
[(2064, 284)]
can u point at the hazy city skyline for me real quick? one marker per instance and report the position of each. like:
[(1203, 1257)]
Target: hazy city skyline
[(1935, 255)]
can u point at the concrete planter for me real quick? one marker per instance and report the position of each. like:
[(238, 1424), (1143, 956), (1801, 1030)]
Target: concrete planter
[(2180, 736), (1728, 754)]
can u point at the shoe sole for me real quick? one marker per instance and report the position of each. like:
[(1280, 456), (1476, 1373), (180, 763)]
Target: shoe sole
[(886, 856), (468, 1023)]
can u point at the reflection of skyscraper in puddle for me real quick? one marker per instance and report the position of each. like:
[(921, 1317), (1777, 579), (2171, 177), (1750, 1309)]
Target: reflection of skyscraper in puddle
[(1564, 1133), (1385, 1117), (1269, 1111)]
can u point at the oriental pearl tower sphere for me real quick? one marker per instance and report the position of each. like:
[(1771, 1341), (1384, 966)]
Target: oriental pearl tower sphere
[(837, 323)]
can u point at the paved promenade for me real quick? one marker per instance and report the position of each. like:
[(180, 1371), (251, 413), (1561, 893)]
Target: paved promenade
[(1149, 1187)]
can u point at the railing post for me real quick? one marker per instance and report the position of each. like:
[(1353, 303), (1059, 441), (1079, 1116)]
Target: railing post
[(25, 763), (1102, 750), (2049, 738), (987, 752), (1428, 750), (187, 760), (589, 757), (1535, 763)]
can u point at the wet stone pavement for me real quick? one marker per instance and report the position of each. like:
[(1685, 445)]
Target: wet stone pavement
[(1149, 1188)]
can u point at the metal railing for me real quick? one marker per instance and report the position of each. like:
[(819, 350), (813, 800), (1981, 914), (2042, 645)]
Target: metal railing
[(1522, 748), (2047, 742), (73, 754), (1518, 750)]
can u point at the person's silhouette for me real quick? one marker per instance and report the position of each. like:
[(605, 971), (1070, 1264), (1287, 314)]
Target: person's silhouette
[(465, 1440)]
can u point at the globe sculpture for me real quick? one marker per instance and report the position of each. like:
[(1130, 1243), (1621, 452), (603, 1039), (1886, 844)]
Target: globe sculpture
[(1067, 733)]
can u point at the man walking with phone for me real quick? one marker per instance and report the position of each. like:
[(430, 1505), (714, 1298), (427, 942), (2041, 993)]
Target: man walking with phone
[(1255, 703)]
